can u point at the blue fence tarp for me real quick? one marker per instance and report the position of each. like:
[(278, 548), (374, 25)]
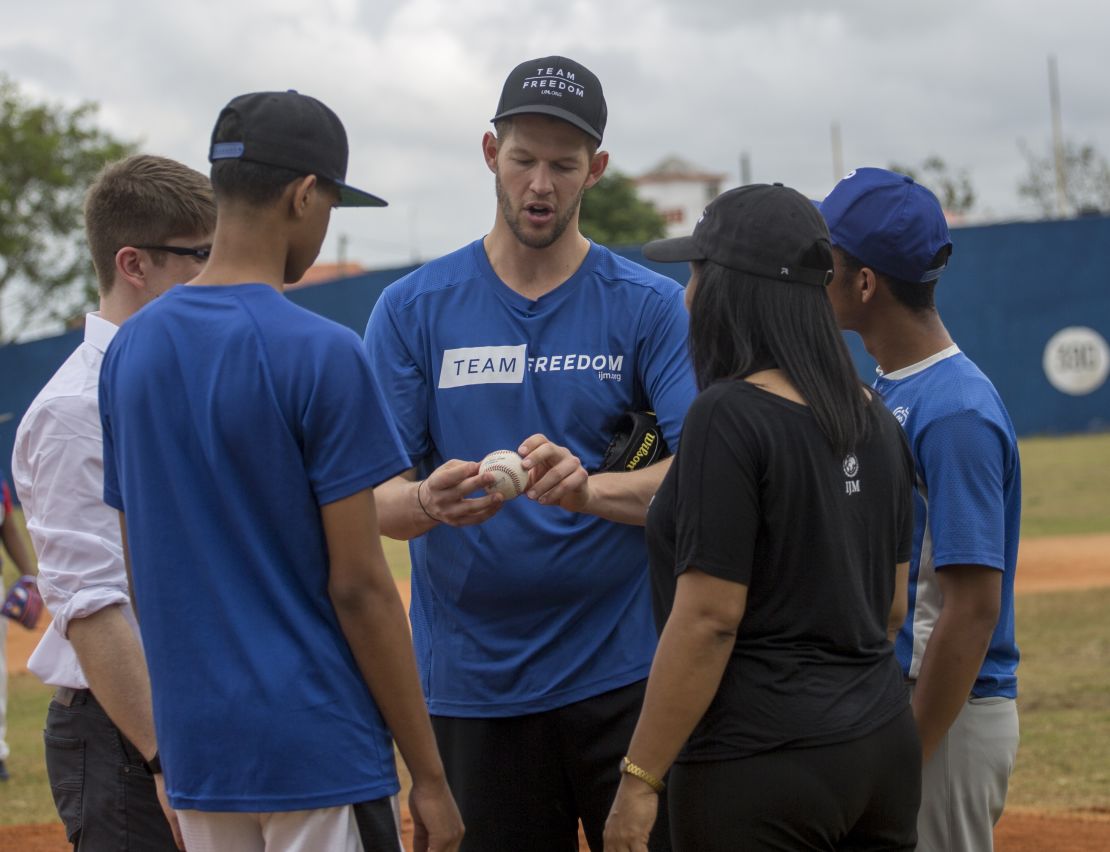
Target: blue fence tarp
[(1009, 288)]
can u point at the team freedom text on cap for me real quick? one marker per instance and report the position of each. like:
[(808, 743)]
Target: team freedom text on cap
[(554, 78)]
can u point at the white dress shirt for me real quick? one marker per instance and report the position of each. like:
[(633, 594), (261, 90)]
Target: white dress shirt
[(58, 471)]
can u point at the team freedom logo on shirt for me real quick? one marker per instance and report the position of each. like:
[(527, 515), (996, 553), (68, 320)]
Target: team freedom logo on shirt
[(506, 365)]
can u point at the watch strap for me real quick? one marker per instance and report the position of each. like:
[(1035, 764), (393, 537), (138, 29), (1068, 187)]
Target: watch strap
[(154, 765)]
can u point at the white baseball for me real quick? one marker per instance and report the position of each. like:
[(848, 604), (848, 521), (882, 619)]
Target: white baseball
[(510, 477)]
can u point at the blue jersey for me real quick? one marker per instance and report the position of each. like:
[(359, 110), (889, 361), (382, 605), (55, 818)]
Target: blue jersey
[(230, 416), (537, 607), (967, 509)]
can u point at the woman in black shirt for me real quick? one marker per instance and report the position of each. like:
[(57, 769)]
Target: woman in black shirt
[(779, 544)]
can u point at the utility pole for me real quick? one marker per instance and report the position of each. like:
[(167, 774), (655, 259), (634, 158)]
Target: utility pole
[(837, 153), (745, 168), (1062, 206), (341, 258)]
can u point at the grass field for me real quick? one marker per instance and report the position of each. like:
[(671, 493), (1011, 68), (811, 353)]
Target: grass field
[(1064, 760), (1063, 763), (26, 797), (1065, 491), (1065, 485), (1064, 702)]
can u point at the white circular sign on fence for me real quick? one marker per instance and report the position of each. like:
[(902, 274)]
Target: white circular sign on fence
[(1076, 360)]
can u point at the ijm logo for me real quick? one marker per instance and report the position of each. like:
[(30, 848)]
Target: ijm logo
[(901, 414), (851, 471)]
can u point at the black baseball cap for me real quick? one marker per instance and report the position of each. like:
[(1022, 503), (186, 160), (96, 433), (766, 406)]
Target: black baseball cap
[(557, 86), (767, 230), (292, 131)]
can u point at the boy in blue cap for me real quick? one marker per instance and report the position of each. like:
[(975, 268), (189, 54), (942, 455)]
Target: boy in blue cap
[(890, 246)]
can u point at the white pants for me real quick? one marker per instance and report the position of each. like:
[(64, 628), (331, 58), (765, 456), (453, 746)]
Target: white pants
[(963, 786), (331, 829), (4, 751)]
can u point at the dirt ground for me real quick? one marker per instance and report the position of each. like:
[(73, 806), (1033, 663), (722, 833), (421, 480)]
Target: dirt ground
[(1044, 565)]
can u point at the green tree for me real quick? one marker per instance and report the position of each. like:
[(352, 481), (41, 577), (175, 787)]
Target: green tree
[(954, 190), (1086, 179), (613, 215), (48, 157)]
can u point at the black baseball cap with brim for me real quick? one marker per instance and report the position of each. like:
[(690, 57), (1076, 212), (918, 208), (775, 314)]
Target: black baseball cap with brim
[(555, 86), (769, 231), (291, 131)]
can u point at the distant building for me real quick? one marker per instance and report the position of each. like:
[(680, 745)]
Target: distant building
[(679, 190)]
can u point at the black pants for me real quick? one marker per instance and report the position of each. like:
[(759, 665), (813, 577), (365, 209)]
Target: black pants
[(377, 825), (858, 795), (104, 795), (522, 783)]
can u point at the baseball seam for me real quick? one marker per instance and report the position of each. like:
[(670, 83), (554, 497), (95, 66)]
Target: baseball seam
[(512, 474)]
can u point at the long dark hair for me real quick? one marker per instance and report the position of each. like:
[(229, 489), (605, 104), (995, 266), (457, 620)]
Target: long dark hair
[(740, 324)]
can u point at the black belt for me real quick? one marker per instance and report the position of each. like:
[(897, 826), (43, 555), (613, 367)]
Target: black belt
[(67, 696)]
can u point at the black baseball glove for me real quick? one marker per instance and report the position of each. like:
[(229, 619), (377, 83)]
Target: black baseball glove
[(636, 443)]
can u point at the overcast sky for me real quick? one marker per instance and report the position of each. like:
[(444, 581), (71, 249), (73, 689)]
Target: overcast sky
[(416, 81)]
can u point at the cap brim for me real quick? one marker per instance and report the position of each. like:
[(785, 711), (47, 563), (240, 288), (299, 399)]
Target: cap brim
[(555, 112), (351, 197), (674, 250)]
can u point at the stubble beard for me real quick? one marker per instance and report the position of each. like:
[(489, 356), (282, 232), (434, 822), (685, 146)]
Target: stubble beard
[(534, 239)]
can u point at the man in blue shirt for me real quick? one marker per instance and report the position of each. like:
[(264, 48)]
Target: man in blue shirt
[(243, 437), (531, 618), (957, 648)]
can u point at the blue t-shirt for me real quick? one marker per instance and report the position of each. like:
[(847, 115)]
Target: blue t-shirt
[(230, 416), (537, 607), (967, 505)]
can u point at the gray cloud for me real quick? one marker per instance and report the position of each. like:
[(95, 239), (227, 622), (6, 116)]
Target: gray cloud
[(416, 82)]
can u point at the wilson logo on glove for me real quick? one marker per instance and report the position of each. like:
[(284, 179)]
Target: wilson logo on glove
[(636, 443)]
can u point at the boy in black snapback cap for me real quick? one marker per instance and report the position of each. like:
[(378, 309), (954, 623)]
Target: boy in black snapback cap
[(288, 131), (531, 618), (243, 437)]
